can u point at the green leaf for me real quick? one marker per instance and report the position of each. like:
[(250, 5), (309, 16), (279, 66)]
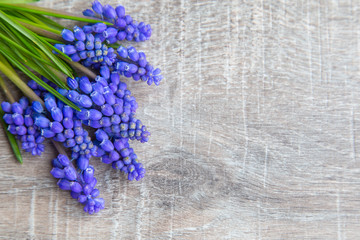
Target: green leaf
[(33, 37), (24, 50), (18, 1), (50, 12), (13, 143), (42, 26), (36, 79), (49, 21)]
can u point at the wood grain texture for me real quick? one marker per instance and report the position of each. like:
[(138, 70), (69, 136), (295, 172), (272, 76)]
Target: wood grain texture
[(255, 131)]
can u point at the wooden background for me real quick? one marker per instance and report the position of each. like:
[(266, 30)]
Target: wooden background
[(255, 131)]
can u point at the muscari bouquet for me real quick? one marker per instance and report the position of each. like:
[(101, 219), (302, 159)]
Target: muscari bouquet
[(62, 104)]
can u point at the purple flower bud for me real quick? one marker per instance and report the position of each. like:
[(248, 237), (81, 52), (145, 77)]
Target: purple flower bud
[(109, 12), (97, 7), (97, 98), (74, 195), (70, 143), (106, 159), (101, 135), (73, 95), (118, 165), (84, 101), (121, 35), (99, 27), (105, 122), (82, 162), (133, 54), (87, 29), (79, 139), (95, 192), (68, 112), (124, 117), (72, 83), (18, 119), (62, 91), (109, 96), (41, 121), (63, 160), (67, 35), (110, 32), (39, 139), (56, 114), (78, 123), (20, 130), (118, 108), (82, 199), (107, 145), (85, 85), (32, 84), (68, 123), (89, 45), (88, 174), (115, 78), (115, 119), (142, 59), (68, 49), (70, 173), (79, 33), (8, 119), (6, 107), (132, 68), (75, 187), (56, 163), (56, 127), (124, 152), (120, 11), (64, 184), (114, 155), (47, 133), (94, 124), (105, 72), (129, 30), (69, 133), (24, 102), (60, 137), (98, 87), (99, 203), (57, 172), (94, 114), (12, 129), (84, 114), (88, 189), (16, 108), (102, 81), (88, 13), (107, 110), (83, 54)]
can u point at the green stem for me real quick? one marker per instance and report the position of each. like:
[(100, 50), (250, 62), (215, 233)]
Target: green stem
[(18, 82), (41, 31), (29, 23), (81, 68), (12, 140)]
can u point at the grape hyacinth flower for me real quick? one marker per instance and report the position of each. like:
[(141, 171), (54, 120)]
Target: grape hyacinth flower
[(20, 122), (86, 47), (131, 63), (81, 185), (123, 28)]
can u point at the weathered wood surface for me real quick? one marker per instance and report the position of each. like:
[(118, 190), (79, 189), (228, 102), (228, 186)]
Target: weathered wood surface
[(255, 131)]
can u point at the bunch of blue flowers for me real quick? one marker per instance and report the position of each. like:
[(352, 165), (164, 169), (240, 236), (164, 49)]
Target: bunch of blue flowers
[(103, 103)]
